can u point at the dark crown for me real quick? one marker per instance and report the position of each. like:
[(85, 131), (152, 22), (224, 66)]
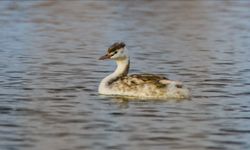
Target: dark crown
[(116, 46)]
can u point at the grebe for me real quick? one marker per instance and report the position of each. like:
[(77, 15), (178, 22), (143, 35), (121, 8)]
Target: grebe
[(137, 85)]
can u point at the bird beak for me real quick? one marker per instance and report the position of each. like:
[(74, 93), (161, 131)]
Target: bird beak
[(105, 57)]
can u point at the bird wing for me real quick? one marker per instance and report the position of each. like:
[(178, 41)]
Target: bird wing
[(139, 80), (149, 77)]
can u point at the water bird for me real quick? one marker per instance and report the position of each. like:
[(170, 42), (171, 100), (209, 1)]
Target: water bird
[(137, 85)]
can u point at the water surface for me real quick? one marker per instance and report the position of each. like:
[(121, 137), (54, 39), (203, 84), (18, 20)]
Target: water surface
[(49, 74)]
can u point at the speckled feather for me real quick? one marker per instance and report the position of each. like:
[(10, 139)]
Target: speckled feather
[(150, 83)]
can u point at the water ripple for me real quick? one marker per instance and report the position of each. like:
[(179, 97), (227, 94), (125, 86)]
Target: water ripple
[(49, 74)]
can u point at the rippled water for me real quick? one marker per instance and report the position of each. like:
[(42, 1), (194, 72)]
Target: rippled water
[(49, 74)]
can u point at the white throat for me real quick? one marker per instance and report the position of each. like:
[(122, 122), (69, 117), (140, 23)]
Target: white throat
[(121, 70)]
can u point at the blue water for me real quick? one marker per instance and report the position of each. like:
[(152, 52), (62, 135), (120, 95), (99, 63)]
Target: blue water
[(49, 74)]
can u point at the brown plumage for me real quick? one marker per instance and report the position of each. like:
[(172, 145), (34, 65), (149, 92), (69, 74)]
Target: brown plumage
[(116, 46), (135, 82)]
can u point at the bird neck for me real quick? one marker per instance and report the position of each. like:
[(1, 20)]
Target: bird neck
[(122, 67), (121, 70)]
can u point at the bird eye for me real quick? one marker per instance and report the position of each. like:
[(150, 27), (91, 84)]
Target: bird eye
[(114, 52)]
